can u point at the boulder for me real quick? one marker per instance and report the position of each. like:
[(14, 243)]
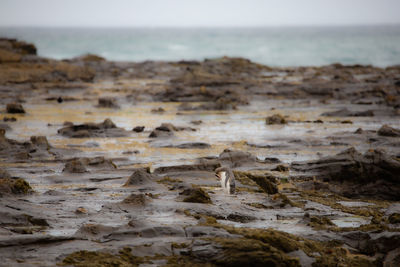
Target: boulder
[(15, 108), (374, 174), (386, 130), (275, 119), (140, 177)]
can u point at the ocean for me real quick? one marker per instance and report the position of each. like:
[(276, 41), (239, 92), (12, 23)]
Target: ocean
[(274, 46)]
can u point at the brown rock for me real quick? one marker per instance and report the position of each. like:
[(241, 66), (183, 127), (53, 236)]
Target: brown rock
[(140, 177), (15, 108), (196, 195), (138, 129), (386, 130), (107, 102), (374, 174), (275, 119)]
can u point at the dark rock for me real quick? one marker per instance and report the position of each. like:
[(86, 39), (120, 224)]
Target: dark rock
[(40, 141), (202, 166), (347, 113), (359, 131), (138, 129), (266, 182), (15, 108), (394, 218), (161, 132), (107, 102), (140, 177), (11, 119), (386, 130), (272, 160), (242, 218), (374, 174), (196, 195), (90, 58), (167, 130), (158, 110), (80, 165), (206, 231), (275, 119), (281, 168), (194, 145), (75, 166), (10, 186), (104, 129)]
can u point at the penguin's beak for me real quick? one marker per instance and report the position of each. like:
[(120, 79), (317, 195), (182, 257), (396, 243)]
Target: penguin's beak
[(218, 176)]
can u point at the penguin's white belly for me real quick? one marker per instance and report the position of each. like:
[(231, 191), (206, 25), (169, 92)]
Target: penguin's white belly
[(225, 184)]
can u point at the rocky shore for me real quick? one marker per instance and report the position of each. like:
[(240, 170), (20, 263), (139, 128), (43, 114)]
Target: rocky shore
[(112, 163)]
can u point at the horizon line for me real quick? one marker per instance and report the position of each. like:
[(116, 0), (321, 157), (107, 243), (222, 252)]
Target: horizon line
[(199, 26)]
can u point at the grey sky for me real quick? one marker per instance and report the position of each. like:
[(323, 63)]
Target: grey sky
[(202, 13)]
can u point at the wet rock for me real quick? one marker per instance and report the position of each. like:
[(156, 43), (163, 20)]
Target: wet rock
[(236, 158), (11, 186), (202, 166), (10, 119), (105, 129), (91, 231), (14, 108), (167, 130), (304, 259), (394, 218), (266, 182), (90, 58), (138, 129), (281, 168), (317, 222), (359, 131), (196, 122), (275, 119), (272, 160), (206, 231), (194, 145), (242, 218), (4, 174), (45, 71), (374, 174), (9, 56), (196, 195), (240, 252), (347, 113), (161, 132), (135, 199), (41, 142), (75, 166), (80, 165), (140, 177), (107, 102), (102, 258), (158, 110), (386, 130), (159, 231)]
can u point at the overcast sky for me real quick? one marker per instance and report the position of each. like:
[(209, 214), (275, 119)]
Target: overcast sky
[(200, 13)]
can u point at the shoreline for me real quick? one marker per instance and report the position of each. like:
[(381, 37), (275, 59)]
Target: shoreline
[(113, 162)]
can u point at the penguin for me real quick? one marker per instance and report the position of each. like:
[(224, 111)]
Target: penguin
[(227, 179)]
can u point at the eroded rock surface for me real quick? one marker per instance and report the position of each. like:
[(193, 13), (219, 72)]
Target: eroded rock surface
[(96, 194)]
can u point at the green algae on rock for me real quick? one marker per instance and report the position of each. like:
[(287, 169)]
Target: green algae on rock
[(196, 195), (266, 182), (14, 186), (85, 258)]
